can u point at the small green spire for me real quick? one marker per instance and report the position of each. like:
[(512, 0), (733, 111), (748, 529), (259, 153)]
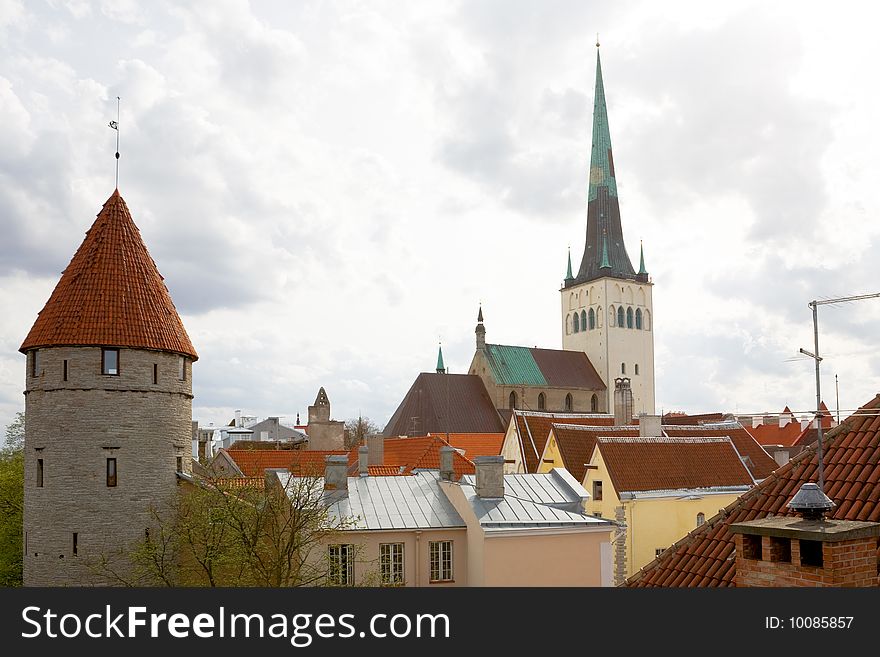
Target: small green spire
[(568, 275), (642, 269), (441, 368), (605, 263)]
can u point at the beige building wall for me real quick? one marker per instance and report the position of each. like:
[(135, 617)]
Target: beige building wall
[(510, 450), (74, 426), (608, 345)]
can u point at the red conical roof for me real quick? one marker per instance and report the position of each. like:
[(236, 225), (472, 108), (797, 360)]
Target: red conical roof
[(111, 294)]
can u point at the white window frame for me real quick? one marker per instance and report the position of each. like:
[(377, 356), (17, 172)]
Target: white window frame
[(441, 561), (391, 562), (340, 564)]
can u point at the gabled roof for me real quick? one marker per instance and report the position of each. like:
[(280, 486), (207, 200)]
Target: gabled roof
[(759, 462), (655, 464), (576, 444), (700, 418), (423, 453), (475, 444), (706, 556), (533, 429), (254, 462), (437, 403), (530, 366), (111, 294), (773, 434)]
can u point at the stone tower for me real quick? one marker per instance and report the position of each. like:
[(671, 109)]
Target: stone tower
[(324, 434), (108, 407), (607, 309)]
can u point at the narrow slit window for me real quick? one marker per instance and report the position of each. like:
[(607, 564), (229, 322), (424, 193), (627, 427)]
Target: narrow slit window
[(110, 362), (155, 374), (75, 546), (39, 473), (64, 369), (180, 464), (597, 491), (181, 368), (35, 363), (111, 472)]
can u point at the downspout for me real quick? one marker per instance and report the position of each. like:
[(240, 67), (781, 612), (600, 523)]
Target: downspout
[(418, 557)]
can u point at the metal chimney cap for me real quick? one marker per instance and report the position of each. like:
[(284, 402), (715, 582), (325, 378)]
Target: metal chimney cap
[(810, 499)]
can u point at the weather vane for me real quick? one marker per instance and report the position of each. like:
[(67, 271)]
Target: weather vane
[(115, 126)]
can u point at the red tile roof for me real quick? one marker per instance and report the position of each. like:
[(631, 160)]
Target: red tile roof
[(773, 434), (643, 464), (423, 453), (684, 418), (576, 444), (533, 429), (111, 294), (705, 557), (437, 403), (759, 462), (254, 462), (475, 444)]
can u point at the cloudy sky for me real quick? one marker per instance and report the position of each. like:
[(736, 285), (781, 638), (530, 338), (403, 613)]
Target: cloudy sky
[(329, 188)]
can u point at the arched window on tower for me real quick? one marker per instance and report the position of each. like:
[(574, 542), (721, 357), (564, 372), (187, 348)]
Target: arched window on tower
[(599, 317), (568, 324), (584, 320), (569, 403), (576, 323), (594, 404), (629, 318), (592, 319), (637, 369), (639, 318), (542, 404), (512, 400), (623, 368), (701, 518), (620, 319), (647, 320), (611, 316)]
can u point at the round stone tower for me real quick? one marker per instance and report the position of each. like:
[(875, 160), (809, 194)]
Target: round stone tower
[(108, 408)]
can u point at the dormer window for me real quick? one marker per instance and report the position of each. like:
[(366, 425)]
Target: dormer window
[(110, 362)]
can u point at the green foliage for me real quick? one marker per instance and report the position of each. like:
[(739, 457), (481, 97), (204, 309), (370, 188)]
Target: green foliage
[(12, 503)]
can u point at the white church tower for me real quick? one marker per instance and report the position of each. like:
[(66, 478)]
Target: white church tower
[(607, 310)]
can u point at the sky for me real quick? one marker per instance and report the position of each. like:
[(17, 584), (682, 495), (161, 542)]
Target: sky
[(332, 188)]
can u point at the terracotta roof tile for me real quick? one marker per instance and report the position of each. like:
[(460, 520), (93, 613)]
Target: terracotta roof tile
[(533, 429), (643, 464), (855, 442), (111, 294), (576, 444), (254, 462), (761, 463), (474, 444), (423, 453), (773, 434)]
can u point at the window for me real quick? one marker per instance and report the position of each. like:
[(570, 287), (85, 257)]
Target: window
[(592, 319), (64, 370), (110, 361), (639, 318), (391, 563), (623, 368), (597, 514), (111, 472), (584, 320), (75, 543), (441, 561), (637, 369), (577, 323), (340, 571), (39, 473), (658, 552), (155, 373), (568, 324), (542, 404), (629, 318), (512, 400), (611, 316), (181, 368), (569, 405), (620, 319), (35, 363), (597, 491), (594, 404), (701, 518), (180, 464)]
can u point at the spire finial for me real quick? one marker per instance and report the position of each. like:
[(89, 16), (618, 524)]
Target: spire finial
[(597, 39), (568, 275), (441, 368), (480, 314), (642, 269), (115, 126)]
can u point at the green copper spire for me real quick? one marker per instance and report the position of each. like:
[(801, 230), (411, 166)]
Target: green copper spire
[(605, 263), (568, 275), (642, 269), (601, 162), (441, 369)]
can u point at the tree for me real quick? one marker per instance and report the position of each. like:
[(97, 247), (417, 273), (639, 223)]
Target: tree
[(12, 503), (358, 429), (234, 532)]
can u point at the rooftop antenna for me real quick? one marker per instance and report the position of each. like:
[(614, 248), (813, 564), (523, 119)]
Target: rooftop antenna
[(837, 394), (115, 126)]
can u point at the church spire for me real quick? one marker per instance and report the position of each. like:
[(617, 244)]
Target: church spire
[(568, 275), (480, 330), (441, 368), (604, 231), (642, 270)]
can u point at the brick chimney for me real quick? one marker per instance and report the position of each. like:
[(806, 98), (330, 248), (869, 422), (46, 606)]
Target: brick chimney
[(363, 460), (490, 476), (336, 472), (376, 445), (447, 472), (650, 426)]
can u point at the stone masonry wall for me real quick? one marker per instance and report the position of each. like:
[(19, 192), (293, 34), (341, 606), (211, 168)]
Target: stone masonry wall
[(74, 426)]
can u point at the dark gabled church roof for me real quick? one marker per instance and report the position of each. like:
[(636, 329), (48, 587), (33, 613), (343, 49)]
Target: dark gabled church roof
[(437, 403), (604, 251), (530, 366), (706, 556)]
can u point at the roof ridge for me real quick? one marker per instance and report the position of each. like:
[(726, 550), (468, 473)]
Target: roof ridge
[(695, 440)]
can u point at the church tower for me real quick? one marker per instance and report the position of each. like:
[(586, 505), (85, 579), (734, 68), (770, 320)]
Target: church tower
[(108, 408), (607, 309)]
